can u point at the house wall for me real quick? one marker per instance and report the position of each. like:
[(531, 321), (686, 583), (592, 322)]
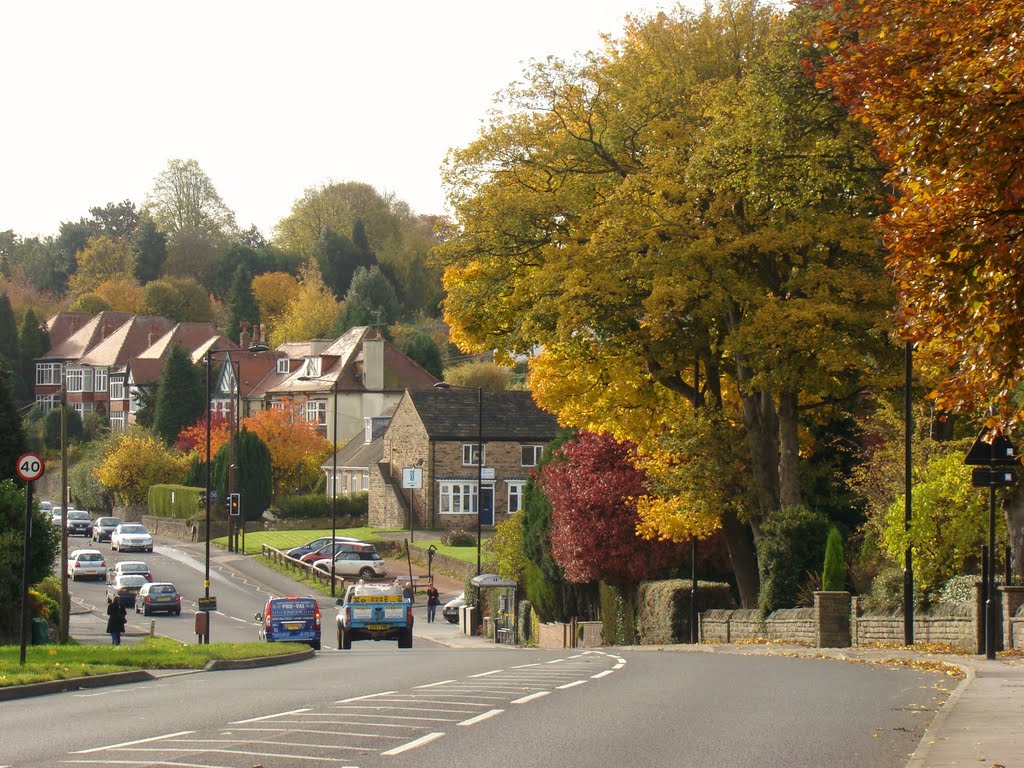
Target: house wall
[(405, 443)]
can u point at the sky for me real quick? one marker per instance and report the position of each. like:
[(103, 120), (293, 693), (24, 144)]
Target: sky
[(270, 98)]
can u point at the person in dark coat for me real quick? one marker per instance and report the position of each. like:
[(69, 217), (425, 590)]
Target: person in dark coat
[(433, 600), (117, 618)]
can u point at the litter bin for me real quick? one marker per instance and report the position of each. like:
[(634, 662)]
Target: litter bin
[(40, 632)]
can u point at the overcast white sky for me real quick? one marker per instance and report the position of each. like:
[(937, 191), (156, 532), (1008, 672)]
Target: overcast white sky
[(269, 97)]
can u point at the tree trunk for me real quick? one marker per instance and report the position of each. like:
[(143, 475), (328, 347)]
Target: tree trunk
[(789, 450), (762, 427), (743, 555), (1014, 511)]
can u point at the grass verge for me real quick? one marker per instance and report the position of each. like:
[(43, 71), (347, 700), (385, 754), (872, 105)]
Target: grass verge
[(60, 662)]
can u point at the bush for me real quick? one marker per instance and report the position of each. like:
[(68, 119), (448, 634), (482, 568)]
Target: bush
[(179, 501), (458, 538), (793, 542), (318, 505), (833, 575), (618, 615), (886, 595), (959, 589), (663, 608)]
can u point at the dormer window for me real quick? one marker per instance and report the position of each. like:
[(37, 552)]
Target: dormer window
[(283, 365), (313, 366)]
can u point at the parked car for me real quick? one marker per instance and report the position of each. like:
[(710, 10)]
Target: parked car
[(451, 608), (55, 517), (158, 597), (79, 523), (134, 567), (290, 619), (361, 562), (316, 544), (131, 537), (124, 588), (103, 527), (46, 507), (86, 564), (328, 550)]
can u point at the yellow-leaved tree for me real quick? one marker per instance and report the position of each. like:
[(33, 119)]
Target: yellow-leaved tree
[(311, 313), (136, 461)]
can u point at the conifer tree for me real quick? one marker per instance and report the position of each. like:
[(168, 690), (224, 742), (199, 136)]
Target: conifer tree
[(33, 342), (833, 577), (181, 397), (242, 307), (12, 433)]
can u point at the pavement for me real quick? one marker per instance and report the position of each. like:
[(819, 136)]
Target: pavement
[(980, 724)]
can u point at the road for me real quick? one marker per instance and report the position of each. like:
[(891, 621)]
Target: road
[(378, 706)]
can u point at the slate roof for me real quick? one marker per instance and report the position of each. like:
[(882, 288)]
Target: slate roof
[(451, 414), (128, 340), (87, 336), (64, 324)]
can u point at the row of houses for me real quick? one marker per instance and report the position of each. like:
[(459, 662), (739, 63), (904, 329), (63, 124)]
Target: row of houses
[(379, 407)]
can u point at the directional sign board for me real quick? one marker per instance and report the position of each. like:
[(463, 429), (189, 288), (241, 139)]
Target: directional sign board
[(207, 603), (991, 477), (30, 467), (997, 452)]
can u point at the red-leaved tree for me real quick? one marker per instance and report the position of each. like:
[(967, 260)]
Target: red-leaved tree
[(193, 437), (591, 484)]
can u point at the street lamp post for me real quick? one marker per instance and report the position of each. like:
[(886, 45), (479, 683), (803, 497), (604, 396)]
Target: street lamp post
[(479, 474), (206, 570)]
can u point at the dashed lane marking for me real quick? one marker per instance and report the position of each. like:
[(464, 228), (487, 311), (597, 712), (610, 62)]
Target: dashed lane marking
[(431, 685), (485, 674), (570, 685), (367, 696), (132, 743), (488, 714), (531, 697), (269, 717)]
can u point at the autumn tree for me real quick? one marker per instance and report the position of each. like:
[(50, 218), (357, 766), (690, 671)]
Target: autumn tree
[(183, 197), (181, 299), (297, 448), (192, 438), (274, 293), (137, 460), (685, 198), (940, 86), (592, 486), (101, 260), (310, 315), (122, 295)]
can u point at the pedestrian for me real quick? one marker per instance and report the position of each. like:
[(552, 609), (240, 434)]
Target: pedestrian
[(433, 600), (195, 532), (409, 593), (117, 618)]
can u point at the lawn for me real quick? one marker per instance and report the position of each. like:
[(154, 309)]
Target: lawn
[(59, 662)]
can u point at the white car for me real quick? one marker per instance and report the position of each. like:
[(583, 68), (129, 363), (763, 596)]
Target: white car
[(131, 537), (133, 567), (87, 564), (363, 562)]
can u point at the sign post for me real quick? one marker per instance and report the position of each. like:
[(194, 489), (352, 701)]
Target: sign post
[(30, 468), (993, 460), (412, 480)]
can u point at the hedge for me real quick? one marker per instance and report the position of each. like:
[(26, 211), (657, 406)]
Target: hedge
[(311, 505), (179, 501), (663, 608)]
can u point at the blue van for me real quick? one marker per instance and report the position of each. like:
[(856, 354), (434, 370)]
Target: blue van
[(291, 620)]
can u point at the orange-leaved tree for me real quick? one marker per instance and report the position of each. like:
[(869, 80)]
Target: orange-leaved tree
[(193, 437), (941, 84), (296, 448)]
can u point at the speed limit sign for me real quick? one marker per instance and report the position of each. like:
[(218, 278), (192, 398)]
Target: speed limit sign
[(30, 467)]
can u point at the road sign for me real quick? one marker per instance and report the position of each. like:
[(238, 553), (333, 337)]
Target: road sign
[(30, 467), (991, 477), (486, 473), (207, 603), (999, 451), (412, 478)]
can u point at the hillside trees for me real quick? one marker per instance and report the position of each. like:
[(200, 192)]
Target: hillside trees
[(242, 307), (940, 85), (184, 198), (311, 314), (686, 196)]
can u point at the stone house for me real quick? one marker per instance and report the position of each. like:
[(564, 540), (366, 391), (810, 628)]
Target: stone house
[(437, 432)]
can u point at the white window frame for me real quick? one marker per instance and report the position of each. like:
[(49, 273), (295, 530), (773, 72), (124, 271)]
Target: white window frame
[(116, 387), (365, 475), (118, 421), (515, 495), (316, 412), (48, 373), (454, 496), (536, 450), (75, 377), (283, 365), (100, 379), (47, 402), (469, 453)]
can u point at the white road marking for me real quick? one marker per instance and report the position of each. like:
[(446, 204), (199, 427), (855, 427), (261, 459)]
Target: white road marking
[(320, 732), (570, 685), (150, 763), (619, 666), (368, 696), (431, 685), (489, 713), (414, 743), (554, 661), (524, 666), (531, 697), (269, 717), (602, 674), (411, 709), (131, 743), (485, 674)]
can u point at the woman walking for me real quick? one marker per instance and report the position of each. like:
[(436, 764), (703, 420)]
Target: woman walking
[(117, 618), (433, 600)]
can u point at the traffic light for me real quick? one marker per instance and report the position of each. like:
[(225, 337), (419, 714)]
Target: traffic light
[(235, 503)]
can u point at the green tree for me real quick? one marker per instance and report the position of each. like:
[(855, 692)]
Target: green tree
[(183, 197), (833, 574), (150, 246), (791, 546), (242, 307), (73, 424), (424, 350), (44, 547), (255, 480), (33, 342), (194, 253), (9, 349), (13, 442), (181, 299), (181, 397), (371, 300), (338, 259)]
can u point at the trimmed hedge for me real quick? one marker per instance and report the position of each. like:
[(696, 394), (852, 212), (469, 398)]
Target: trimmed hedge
[(178, 501), (311, 505), (663, 608), (618, 614)]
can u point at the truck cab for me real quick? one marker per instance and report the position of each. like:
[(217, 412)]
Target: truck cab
[(374, 612)]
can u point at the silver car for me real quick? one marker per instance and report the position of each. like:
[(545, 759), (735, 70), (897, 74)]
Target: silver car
[(131, 537)]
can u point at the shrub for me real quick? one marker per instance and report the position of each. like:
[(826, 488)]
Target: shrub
[(458, 538), (833, 576), (310, 505), (886, 595), (618, 615), (793, 542), (663, 608), (180, 501), (959, 589)]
